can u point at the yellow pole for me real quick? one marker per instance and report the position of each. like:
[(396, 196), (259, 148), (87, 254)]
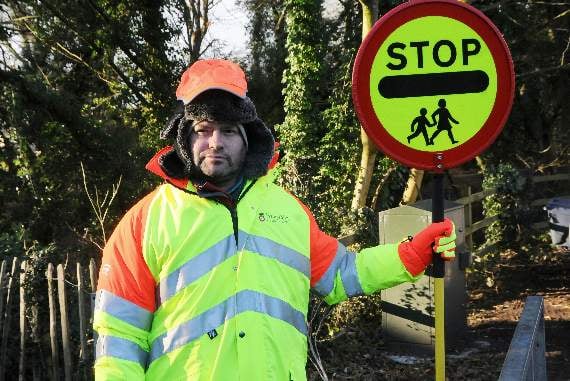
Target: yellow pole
[(438, 272), (439, 281), (439, 329)]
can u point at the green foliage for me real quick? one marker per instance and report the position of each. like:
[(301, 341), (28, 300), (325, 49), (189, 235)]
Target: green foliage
[(320, 134), (300, 132), (509, 203), (536, 134), (89, 82), (355, 312)]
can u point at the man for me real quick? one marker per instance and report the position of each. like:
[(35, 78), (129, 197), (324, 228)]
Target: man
[(208, 276)]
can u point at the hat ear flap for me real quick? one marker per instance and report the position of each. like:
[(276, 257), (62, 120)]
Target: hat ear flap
[(171, 129), (177, 163), (172, 165), (260, 151)]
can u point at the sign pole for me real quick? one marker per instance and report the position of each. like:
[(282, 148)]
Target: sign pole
[(437, 214)]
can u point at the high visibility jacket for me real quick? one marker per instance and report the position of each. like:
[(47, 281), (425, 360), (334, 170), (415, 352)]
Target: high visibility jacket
[(191, 289)]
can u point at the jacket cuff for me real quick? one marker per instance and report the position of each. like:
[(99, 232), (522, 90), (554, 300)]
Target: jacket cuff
[(414, 263)]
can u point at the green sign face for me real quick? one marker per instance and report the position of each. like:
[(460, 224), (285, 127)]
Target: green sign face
[(433, 83)]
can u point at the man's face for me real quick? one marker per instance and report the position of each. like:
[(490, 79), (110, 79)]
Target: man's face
[(218, 150)]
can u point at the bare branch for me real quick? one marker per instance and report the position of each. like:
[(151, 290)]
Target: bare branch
[(100, 208), (127, 82), (564, 52), (543, 71), (196, 16), (206, 48)]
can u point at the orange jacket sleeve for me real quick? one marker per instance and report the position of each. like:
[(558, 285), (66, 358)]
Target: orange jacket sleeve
[(124, 272)]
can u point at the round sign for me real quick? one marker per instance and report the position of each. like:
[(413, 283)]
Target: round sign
[(433, 83)]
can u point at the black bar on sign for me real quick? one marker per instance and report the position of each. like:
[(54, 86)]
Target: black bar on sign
[(422, 85), (407, 313)]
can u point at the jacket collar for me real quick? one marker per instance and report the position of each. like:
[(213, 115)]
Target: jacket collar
[(154, 167)]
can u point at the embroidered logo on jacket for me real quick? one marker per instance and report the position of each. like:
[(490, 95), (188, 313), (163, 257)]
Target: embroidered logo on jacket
[(273, 218)]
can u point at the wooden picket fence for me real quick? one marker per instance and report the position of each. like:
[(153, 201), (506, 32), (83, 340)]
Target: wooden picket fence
[(71, 345)]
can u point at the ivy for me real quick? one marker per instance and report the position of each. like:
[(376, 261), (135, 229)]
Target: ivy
[(302, 128)]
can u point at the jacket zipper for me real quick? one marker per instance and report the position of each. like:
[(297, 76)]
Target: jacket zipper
[(233, 211), (233, 214)]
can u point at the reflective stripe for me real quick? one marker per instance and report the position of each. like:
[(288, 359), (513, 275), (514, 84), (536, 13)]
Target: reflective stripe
[(196, 267), (248, 300), (345, 262), (349, 275), (243, 301), (120, 348), (123, 309), (271, 249), (224, 249)]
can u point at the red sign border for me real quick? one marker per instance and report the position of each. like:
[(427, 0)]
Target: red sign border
[(476, 20)]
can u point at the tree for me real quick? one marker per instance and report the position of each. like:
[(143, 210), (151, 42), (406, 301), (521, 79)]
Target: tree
[(369, 150), (536, 133), (89, 82), (301, 130), (266, 63)]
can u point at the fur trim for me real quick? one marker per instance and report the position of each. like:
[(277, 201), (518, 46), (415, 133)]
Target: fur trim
[(260, 149), (171, 164), (220, 106), (171, 129)]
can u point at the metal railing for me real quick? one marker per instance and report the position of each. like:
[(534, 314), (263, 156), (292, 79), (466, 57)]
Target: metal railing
[(526, 358)]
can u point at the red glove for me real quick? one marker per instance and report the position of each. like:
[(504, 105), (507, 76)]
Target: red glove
[(417, 253)]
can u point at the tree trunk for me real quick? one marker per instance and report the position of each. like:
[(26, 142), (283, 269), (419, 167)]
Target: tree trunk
[(369, 150), (413, 186)]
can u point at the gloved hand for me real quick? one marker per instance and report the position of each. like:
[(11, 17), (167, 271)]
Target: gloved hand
[(417, 253)]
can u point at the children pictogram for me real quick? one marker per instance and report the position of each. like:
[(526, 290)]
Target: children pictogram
[(422, 122), (443, 118)]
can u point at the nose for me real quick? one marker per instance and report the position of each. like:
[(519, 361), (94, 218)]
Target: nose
[(216, 140)]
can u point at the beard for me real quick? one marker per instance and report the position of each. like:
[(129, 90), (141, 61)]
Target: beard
[(216, 173)]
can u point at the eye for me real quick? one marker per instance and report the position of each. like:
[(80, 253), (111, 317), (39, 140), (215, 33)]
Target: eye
[(201, 131)]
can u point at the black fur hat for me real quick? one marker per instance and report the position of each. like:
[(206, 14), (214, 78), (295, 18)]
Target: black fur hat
[(221, 106)]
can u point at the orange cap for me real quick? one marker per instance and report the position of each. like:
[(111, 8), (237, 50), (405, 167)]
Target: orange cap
[(211, 74)]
